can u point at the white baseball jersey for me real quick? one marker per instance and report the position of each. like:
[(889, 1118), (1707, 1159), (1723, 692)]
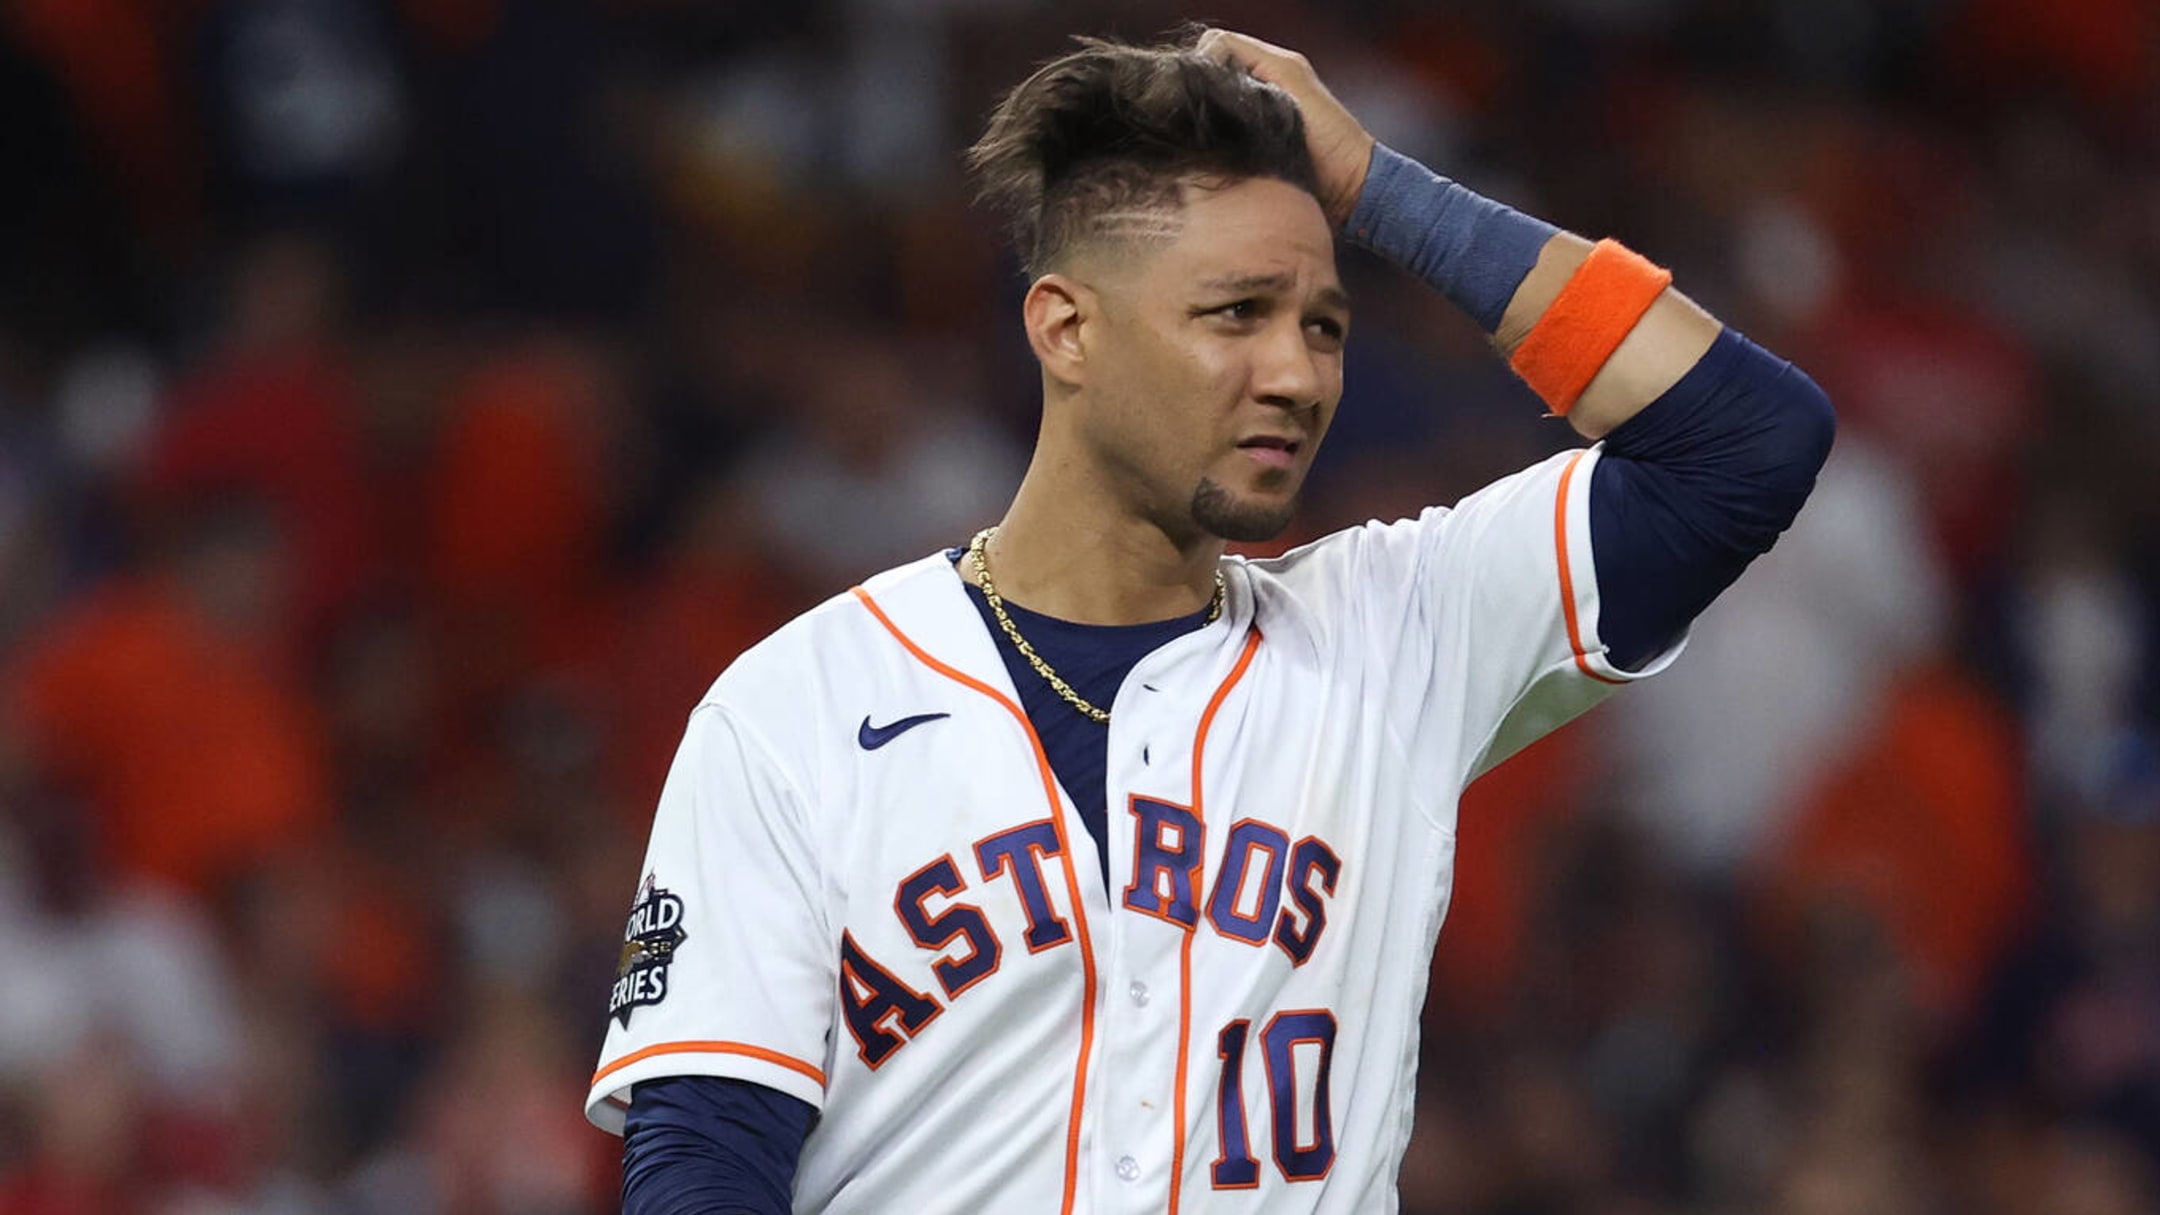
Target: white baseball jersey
[(866, 888)]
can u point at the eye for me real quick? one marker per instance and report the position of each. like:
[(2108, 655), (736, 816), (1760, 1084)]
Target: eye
[(1329, 327), (1242, 310)]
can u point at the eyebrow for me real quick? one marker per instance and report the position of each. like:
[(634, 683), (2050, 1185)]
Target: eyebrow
[(1253, 284)]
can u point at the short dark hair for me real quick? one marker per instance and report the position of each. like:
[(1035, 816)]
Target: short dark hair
[(1112, 128)]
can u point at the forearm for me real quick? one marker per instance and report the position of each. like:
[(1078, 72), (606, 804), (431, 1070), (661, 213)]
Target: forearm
[(1669, 340), (1505, 269), (1712, 443), (701, 1143)]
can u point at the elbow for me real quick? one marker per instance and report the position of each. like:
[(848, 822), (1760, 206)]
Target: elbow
[(1798, 426), (1804, 429), (1813, 420)]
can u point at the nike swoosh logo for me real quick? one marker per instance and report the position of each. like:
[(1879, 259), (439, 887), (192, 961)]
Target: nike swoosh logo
[(872, 737)]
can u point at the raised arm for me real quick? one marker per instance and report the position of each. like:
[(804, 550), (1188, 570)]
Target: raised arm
[(1711, 443), (1503, 257)]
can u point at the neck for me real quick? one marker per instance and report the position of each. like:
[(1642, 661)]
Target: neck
[(1067, 548)]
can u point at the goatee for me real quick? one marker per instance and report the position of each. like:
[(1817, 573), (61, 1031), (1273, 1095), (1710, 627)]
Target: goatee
[(1219, 513)]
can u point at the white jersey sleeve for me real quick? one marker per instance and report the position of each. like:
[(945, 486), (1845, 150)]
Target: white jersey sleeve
[(727, 967), (1484, 615)]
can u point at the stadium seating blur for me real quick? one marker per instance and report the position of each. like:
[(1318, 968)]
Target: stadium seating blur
[(407, 407)]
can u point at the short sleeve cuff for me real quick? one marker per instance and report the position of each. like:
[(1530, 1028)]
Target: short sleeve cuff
[(1578, 580), (609, 1098)]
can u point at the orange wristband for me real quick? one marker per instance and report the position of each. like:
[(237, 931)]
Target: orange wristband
[(1587, 321)]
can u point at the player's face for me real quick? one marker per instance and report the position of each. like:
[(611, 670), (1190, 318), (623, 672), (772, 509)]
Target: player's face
[(1221, 364)]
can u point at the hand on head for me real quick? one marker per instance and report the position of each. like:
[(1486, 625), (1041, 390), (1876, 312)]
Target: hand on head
[(1340, 145)]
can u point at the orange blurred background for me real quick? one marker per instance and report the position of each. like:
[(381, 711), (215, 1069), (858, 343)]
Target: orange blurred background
[(407, 407)]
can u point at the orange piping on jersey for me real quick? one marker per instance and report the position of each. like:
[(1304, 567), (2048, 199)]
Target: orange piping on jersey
[(713, 1048), (1184, 1016), (1567, 578), (1072, 885)]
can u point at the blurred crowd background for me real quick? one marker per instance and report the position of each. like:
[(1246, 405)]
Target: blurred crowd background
[(408, 406)]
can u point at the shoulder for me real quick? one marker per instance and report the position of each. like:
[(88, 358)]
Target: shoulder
[(824, 650), (1337, 561), (1379, 570), (796, 686), (1340, 553), (1313, 594)]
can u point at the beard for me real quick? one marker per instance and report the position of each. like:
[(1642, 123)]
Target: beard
[(1219, 513)]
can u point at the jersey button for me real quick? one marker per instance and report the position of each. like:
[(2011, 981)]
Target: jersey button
[(1139, 993), (1128, 1169)]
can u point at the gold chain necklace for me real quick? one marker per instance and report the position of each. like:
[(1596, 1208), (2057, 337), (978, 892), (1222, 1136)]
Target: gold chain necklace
[(979, 554)]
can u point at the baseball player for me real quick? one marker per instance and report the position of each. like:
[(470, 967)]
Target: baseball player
[(1082, 868)]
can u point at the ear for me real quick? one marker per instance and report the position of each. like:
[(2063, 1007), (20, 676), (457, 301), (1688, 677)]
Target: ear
[(1055, 310)]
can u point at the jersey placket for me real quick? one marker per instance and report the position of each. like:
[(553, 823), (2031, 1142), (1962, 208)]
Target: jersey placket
[(1144, 1024)]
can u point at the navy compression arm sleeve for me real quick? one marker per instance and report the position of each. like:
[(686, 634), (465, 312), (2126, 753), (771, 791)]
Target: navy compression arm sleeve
[(711, 1144), (1695, 486), (1471, 249)]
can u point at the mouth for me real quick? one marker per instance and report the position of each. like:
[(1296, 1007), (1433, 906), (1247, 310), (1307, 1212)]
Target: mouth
[(1271, 451)]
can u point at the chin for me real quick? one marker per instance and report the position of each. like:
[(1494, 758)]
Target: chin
[(1241, 518)]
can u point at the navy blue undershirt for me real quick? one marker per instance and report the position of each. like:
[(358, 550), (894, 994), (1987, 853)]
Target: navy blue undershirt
[(1094, 659), (709, 1143)]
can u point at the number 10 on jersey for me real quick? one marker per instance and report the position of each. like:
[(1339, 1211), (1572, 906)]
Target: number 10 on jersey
[(1304, 1148)]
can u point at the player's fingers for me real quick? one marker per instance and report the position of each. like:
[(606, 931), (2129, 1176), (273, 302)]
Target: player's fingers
[(1262, 59), (1261, 46), (1224, 42), (1216, 45)]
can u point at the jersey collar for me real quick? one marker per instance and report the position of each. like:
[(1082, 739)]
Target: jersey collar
[(927, 600)]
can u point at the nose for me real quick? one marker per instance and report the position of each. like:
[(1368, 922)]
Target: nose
[(1286, 371)]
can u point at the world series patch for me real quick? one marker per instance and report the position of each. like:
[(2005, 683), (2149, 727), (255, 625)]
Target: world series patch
[(651, 936)]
